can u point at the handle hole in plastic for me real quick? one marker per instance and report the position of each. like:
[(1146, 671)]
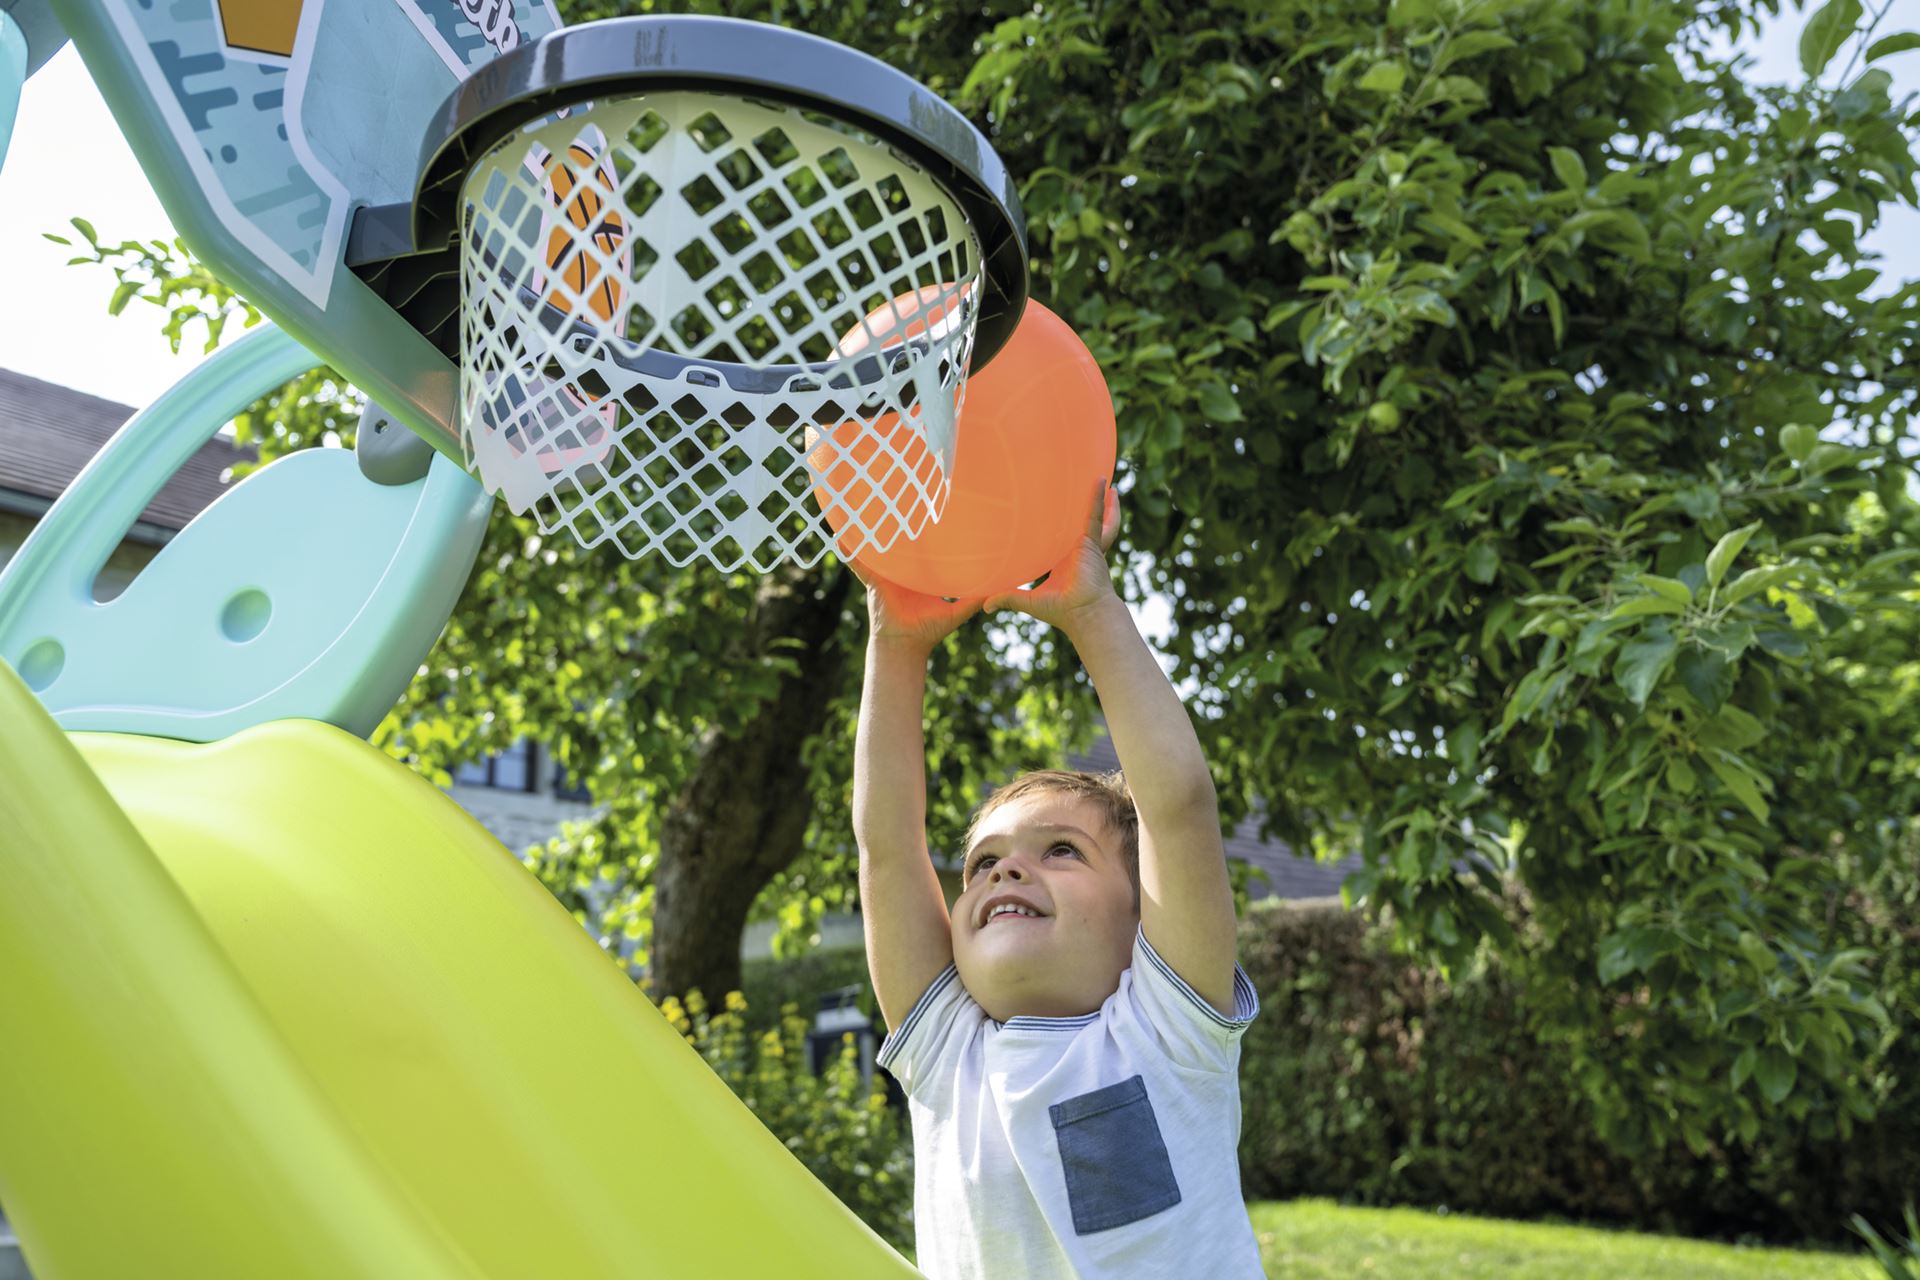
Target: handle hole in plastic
[(245, 615), (41, 665)]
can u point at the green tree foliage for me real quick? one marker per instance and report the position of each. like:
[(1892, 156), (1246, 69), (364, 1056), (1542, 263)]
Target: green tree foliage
[(1513, 422), (1477, 363)]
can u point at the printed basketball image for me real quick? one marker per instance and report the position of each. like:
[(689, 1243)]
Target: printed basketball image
[(583, 191)]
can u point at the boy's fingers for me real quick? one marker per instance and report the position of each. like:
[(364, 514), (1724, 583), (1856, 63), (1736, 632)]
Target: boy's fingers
[(1097, 513), (1110, 522)]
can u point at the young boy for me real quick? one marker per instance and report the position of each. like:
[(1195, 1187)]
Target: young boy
[(1069, 1037)]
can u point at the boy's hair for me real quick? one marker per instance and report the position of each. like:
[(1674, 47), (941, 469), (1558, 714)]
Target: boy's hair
[(1108, 792)]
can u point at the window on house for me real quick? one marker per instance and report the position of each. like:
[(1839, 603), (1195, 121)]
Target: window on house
[(509, 770), (565, 788)]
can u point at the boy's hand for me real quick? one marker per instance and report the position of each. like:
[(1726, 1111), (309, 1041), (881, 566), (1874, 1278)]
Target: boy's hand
[(1081, 581), (896, 614)]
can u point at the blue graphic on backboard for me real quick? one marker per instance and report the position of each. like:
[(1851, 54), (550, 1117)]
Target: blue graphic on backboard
[(286, 147)]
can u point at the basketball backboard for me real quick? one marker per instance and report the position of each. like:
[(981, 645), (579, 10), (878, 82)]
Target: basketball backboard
[(264, 125)]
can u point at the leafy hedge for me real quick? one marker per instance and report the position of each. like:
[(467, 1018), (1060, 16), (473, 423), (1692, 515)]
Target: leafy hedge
[(1370, 1078)]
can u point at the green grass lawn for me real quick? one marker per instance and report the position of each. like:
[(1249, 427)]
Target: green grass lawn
[(1310, 1239)]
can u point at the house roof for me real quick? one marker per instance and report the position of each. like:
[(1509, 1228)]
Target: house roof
[(49, 432), (1287, 874)]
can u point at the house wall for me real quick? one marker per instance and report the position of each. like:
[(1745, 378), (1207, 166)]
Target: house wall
[(518, 819)]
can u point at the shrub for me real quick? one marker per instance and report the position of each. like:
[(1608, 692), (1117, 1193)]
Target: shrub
[(840, 1128), (1370, 1078)]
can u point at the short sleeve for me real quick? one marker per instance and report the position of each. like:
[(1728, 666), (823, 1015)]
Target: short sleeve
[(934, 1028), (1195, 1033)]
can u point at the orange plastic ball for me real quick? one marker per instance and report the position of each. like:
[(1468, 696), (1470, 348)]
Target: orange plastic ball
[(1035, 436)]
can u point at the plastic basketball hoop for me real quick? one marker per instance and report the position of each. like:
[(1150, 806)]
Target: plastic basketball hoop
[(671, 297)]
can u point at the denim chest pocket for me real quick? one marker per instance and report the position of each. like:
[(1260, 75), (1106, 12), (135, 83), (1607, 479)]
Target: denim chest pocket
[(1115, 1160)]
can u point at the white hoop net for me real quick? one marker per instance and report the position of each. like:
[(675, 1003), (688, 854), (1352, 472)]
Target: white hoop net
[(706, 327)]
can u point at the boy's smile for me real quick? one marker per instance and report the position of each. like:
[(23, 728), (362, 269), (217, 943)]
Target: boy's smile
[(1046, 922), (1008, 906)]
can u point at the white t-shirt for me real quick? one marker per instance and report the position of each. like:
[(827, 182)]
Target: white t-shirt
[(1103, 1145)]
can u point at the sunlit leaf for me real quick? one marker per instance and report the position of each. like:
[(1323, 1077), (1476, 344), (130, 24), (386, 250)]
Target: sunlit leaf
[(1825, 32)]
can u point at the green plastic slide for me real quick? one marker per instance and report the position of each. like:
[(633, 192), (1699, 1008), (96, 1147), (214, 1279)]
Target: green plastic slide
[(275, 1006)]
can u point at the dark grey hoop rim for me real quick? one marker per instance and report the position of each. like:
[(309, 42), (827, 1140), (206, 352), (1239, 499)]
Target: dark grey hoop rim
[(731, 55)]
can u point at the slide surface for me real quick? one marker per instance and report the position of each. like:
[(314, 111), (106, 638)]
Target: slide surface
[(288, 1010)]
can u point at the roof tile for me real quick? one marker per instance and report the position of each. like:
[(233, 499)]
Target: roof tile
[(49, 432)]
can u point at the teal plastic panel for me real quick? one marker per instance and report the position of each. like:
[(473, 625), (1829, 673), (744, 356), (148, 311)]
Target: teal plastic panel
[(13, 74), (306, 591), (261, 155)]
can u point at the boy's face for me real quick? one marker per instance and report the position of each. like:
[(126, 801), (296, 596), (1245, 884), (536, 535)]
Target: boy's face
[(1052, 855)]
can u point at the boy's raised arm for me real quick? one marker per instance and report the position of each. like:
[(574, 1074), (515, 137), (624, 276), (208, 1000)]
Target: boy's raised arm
[(909, 938), (1186, 899)]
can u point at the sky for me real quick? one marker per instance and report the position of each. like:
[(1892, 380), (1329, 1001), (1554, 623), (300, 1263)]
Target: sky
[(67, 157)]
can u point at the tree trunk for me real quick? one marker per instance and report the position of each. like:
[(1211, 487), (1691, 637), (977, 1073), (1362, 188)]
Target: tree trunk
[(740, 818)]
